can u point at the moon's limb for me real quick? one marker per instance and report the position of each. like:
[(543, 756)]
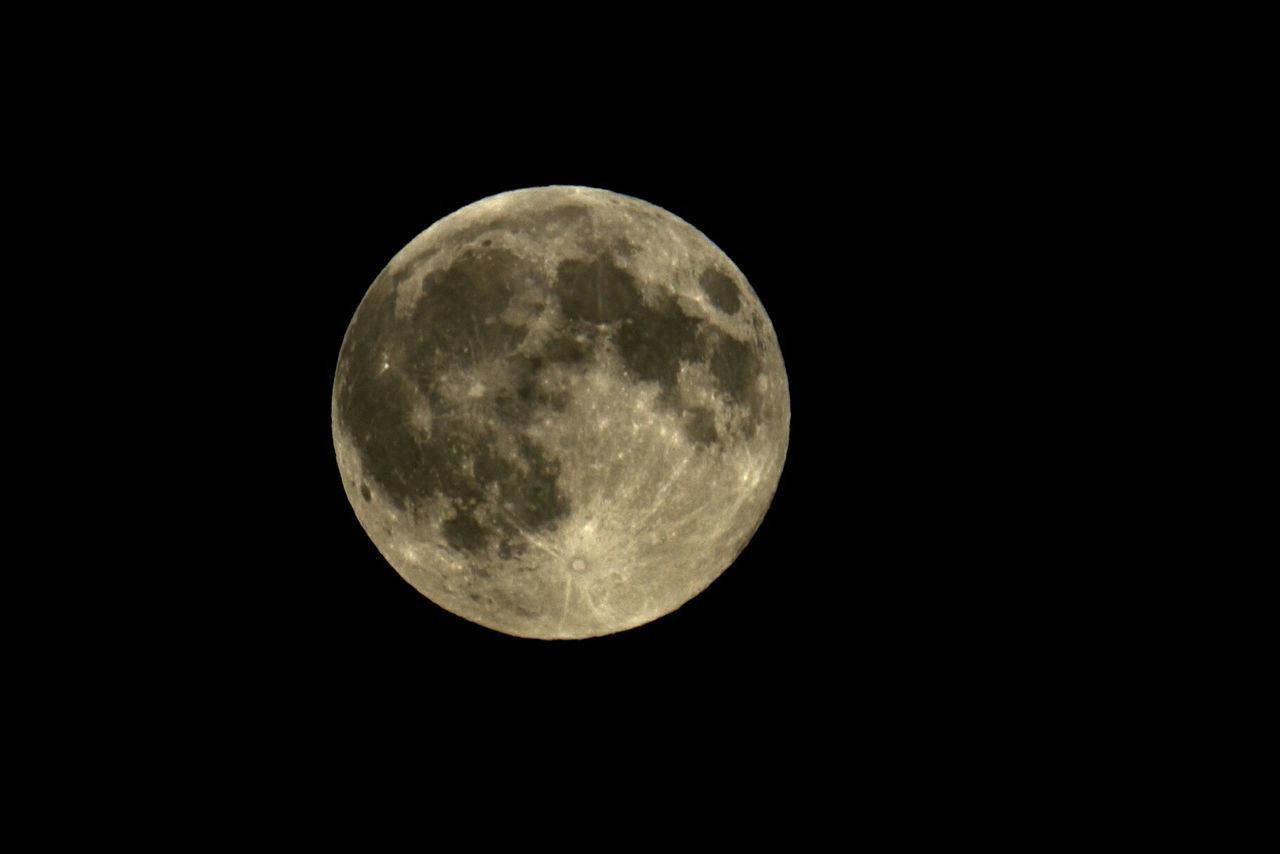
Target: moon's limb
[(560, 412)]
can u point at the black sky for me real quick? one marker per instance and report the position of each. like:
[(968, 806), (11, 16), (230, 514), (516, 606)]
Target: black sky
[(836, 222)]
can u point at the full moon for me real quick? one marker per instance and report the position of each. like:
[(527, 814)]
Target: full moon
[(560, 412)]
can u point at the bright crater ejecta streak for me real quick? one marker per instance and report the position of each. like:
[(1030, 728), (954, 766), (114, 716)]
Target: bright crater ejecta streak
[(560, 412)]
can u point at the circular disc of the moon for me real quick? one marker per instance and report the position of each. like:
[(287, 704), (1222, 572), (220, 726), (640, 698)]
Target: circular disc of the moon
[(560, 412)]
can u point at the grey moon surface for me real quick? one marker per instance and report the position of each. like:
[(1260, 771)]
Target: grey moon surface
[(560, 412)]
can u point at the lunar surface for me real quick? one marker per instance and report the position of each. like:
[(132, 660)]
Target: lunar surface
[(560, 412)]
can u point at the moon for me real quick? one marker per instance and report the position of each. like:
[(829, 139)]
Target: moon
[(560, 412)]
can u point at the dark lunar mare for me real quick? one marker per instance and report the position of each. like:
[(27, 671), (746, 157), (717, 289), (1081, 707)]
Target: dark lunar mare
[(454, 324), (457, 323), (653, 340)]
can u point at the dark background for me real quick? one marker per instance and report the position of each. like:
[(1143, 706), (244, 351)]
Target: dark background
[(927, 222), (304, 598), (915, 593), (867, 233), (926, 217)]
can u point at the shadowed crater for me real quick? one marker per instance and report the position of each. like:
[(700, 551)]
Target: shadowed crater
[(720, 289)]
